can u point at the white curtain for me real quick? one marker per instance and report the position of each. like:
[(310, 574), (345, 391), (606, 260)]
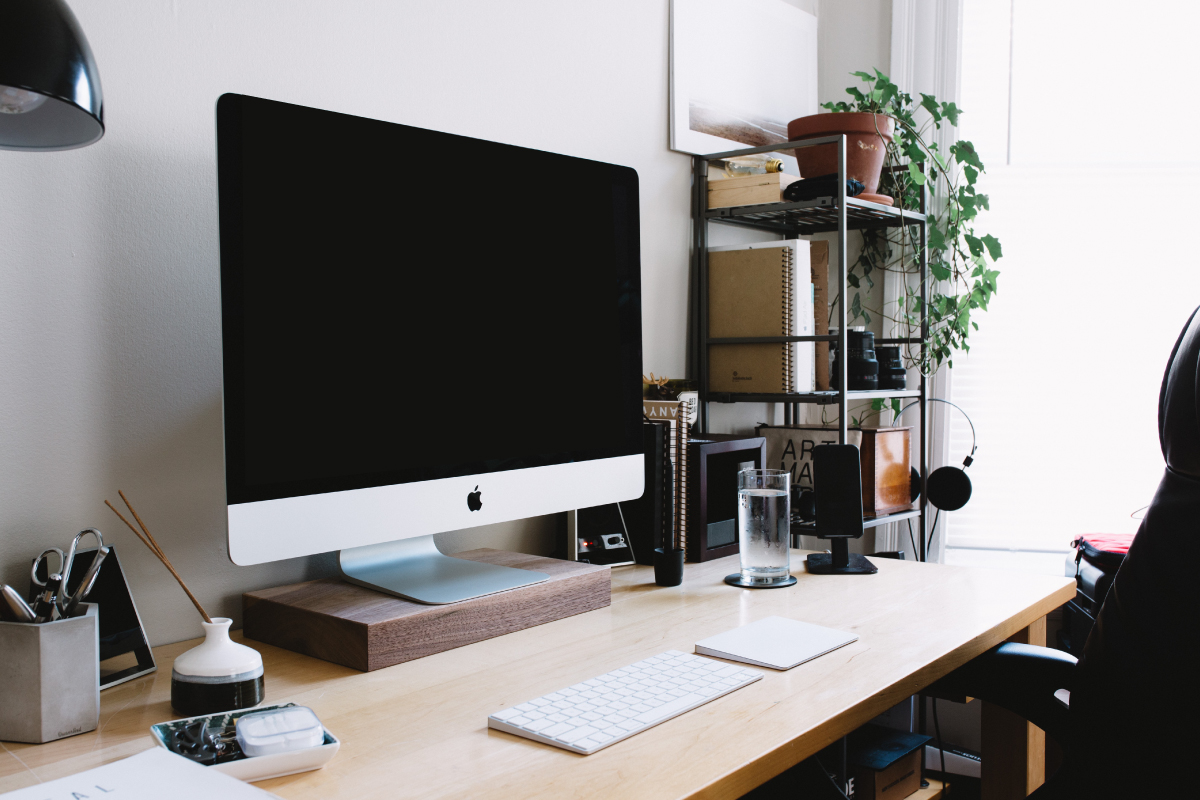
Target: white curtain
[(1083, 114)]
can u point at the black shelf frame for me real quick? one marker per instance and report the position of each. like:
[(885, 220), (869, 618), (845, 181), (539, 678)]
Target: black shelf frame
[(824, 214)]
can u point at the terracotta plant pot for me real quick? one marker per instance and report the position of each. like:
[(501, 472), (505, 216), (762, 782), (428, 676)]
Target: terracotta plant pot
[(867, 137)]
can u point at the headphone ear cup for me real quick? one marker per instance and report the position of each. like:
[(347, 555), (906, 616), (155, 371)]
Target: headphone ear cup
[(949, 488), (807, 505)]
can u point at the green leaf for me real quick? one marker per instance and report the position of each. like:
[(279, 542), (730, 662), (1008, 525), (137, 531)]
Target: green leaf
[(965, 153), (951, 112), (930, 104), (971, 173), (936, 237), (914, 172), (975, 244), (866, 76), (940, 271), (993, 247)]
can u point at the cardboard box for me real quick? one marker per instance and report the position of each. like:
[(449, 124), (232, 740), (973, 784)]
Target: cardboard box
[(885, 454), (819, 265), (749, 190), (885, 763)]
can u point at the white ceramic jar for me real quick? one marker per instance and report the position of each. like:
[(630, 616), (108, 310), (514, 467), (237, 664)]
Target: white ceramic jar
[(217, 675)]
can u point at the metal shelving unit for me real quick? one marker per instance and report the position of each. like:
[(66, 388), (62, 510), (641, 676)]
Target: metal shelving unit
[(837, 213)]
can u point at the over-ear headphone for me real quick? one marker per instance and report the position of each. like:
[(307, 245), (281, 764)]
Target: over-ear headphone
[(948, 488)]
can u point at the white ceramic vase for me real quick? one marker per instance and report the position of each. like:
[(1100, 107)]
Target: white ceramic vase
[(217, 675)]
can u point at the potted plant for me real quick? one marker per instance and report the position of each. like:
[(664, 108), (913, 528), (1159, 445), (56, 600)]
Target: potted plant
[(867, 138), (961, 274)]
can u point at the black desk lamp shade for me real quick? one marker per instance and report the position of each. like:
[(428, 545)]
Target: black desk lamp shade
[(50, 95)]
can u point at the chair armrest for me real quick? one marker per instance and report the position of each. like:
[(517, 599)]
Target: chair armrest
[(1021, 678)]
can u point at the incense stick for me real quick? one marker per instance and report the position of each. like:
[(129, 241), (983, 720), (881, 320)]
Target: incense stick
[(151, 543)]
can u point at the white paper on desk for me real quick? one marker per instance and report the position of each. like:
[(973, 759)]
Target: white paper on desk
[(775, 642), (152, 775)]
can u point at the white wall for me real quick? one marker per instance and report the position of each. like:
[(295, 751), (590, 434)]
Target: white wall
[(109, 318)]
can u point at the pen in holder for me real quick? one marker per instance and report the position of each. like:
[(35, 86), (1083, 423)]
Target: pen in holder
[(51, 677)]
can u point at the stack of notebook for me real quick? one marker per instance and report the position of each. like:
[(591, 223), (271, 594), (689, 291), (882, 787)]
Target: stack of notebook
[(659, 517), (762, 289)]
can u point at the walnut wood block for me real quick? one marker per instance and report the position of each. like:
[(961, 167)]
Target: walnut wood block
[(369, 630)]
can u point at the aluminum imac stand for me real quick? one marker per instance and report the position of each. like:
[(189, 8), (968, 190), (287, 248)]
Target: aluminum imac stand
[(416, 570)]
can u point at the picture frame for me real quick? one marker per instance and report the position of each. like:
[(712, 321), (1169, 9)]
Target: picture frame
[(739, 73)]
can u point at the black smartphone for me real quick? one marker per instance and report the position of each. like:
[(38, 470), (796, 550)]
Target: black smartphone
[(837, 484)]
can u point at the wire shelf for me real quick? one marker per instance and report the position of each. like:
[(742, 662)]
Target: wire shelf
[(814, 216)]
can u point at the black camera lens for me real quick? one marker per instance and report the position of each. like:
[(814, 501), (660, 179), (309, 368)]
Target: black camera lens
[(862, 368), (891, 370)]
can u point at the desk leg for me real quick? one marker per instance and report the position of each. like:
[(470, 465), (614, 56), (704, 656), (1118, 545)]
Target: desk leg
[(1014, 751)]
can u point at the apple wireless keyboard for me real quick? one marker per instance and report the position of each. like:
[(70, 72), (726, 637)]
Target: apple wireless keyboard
[(590, 716)]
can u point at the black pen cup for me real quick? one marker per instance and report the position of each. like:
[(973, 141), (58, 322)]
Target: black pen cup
[(668, 566)]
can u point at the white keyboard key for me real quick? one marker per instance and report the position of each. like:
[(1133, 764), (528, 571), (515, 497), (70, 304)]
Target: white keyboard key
[(538, 725), (666, 710), (578, 734), (554, 730), (505, 716)]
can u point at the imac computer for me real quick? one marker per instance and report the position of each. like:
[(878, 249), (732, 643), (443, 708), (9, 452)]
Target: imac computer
[(422, 332)]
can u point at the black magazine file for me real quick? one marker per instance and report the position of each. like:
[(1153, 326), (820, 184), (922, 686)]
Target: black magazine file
[(124, 650)]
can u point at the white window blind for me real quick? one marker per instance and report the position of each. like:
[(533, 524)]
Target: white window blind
[(1087, 135)]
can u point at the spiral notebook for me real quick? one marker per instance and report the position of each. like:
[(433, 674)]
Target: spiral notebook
[(756, 290)]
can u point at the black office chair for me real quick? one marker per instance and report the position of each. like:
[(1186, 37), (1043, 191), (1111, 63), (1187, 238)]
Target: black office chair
[(1133, 726)]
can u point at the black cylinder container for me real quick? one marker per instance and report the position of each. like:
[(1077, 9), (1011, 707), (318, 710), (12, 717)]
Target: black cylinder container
[(891, 370), (862, 369), (193, 699)]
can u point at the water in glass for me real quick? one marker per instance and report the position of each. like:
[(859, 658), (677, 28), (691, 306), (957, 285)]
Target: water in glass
[(763, 525)]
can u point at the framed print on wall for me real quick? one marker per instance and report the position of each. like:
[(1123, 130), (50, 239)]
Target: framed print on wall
[(740, 71)]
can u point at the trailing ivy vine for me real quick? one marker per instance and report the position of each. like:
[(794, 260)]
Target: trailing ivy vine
[(960, 260)]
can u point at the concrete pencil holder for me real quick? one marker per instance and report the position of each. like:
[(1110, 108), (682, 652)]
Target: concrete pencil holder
[(51, 677)]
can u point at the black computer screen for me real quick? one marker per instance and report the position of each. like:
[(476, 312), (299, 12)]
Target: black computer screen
[(401, 305)]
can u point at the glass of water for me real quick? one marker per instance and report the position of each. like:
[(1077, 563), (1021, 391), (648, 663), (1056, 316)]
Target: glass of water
[(764, 528)]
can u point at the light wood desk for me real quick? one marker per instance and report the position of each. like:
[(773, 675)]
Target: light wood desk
[(420, 729)]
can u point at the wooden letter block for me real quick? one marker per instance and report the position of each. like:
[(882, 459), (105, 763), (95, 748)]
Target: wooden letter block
[(367, 630)]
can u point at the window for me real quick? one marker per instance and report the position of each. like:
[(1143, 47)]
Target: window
[(1084, 115)]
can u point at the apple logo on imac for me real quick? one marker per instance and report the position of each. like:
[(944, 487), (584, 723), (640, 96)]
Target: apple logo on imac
[(473, 501)]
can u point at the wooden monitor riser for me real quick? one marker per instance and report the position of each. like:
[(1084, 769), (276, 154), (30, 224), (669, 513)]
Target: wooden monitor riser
[(368, 630)]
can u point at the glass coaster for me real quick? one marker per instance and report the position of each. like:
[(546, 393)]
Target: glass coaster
[(736, 579)]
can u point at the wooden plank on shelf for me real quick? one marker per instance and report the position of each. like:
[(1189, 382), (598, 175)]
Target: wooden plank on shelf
[(721, 194)]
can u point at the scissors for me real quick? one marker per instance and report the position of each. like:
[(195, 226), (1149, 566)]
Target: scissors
[(50, 602)]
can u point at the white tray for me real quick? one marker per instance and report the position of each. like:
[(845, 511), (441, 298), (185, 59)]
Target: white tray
[(259, 768)]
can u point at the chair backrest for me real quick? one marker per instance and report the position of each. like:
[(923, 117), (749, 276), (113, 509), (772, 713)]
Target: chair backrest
[(1136, 704)]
